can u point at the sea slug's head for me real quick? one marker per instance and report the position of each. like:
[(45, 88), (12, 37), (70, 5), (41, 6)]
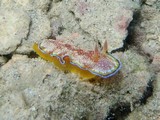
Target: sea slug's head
[(105, 65), (98, 52)]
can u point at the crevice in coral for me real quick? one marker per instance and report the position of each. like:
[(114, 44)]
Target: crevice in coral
[(148, 5), (136, 36), (60, 30), (119, 112), (8, 56), (32, 54), (73, 14), (121, 49), (56, 1), (122, 110), (29, 30), (130, 39), (49, 6), (26, 37), (148, 92), (143, 1)]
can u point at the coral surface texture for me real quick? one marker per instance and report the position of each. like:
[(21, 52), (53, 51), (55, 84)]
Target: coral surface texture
[(32, 88)]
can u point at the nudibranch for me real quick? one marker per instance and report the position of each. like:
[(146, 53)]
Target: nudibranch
[(88, 64)]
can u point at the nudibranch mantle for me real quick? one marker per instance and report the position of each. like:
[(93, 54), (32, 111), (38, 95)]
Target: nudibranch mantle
[(94, 63)]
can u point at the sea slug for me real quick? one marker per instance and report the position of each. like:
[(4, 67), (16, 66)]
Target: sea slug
[(87, 64)]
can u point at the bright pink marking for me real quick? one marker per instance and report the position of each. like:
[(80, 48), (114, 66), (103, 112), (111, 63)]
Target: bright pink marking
[(61, 45)]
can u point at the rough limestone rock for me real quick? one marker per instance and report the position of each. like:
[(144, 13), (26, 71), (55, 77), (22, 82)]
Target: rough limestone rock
[(150, 111), (95, 20), (32, 88), (39, 27), (152, 28), (150, 44), (88, 18), (14, 26), (27, 5), (47, 92)]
